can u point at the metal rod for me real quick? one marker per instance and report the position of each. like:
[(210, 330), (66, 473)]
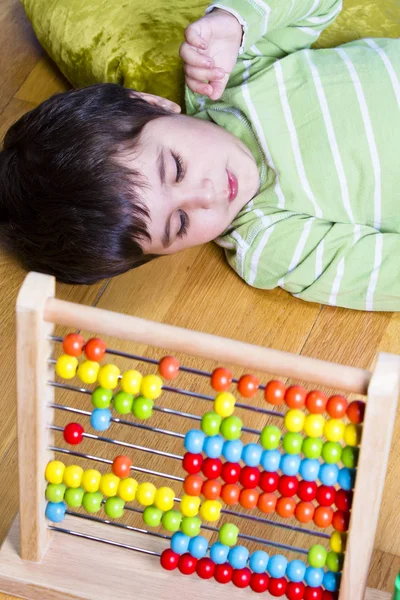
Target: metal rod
[(118, 525)]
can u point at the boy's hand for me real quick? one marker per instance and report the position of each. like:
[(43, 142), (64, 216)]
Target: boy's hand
[(210, 52)]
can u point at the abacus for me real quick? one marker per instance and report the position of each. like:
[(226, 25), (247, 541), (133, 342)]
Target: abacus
[(203, 505)]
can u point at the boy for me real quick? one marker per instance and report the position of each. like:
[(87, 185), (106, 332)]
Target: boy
[(294, 169)]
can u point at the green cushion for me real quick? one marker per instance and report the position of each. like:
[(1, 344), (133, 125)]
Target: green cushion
[(136, 42)]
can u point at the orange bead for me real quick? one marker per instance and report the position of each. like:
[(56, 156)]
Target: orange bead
[(95, 349), (122, 466), (316, 402), (221, 379), (305, 512), (248, 385), (274, 392), (285, 507), (295, 396), (356, 411), (267, 503), (211, 489), (323, 516), (193, 485), (73, 344), (337, 407), (230, 494), (168, 367), (249, 498)]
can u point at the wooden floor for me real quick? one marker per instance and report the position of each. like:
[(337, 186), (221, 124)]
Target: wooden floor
[(195, 289)]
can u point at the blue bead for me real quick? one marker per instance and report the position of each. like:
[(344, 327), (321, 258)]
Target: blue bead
[(194, 441), (180, 542), (295, 571), (213, 446), (309, 469), (100, 419), (219, 553), (232, 450), (347, 478), (251, 455), (328, 474), (290, 464), (259, 561), (277, 566), (313, 576), (331, 581), (238, 557), (270, 460), (198, 546), (55, 511)]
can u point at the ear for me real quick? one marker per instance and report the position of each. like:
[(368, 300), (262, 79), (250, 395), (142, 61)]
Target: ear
[(158, 101)]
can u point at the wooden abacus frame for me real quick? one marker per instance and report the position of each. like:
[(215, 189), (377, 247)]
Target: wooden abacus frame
[(39, 563)]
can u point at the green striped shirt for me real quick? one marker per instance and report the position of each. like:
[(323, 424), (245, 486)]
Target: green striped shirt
[(324, 127)]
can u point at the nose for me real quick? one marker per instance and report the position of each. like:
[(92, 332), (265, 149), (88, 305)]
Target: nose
[(200, 195)]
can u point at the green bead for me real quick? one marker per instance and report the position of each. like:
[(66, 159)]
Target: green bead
[(292, 442), (191, 526), (312, 447), (114, 507), (74, 496), (332, 452), (91, 501), (334, 561), (317, 556), (55, 492), (101, 397), (172, 520), (211, 423), (270, 437), (231, 428), (123, 403), (228, 534), (142, 408), (350, 456), (152, 516)]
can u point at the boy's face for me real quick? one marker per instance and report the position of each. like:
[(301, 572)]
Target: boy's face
[(199, 177)]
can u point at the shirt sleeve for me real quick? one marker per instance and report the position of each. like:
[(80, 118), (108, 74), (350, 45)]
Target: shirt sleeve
[(347, 265)]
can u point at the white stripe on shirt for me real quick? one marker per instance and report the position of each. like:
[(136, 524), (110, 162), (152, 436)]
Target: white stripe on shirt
[(299, 249), (389, 67), (257, 255), (340, 269), (375, 272)]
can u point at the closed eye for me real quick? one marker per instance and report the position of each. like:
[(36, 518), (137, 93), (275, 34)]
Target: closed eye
[(180, 171), (184, 224)]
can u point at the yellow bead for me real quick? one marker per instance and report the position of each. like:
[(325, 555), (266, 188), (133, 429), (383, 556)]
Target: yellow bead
[(294, 420), (352, 434), (151, 387), (109, 485), (55, 471), (91, 480), (224, 404), (334, 430), (66, 366), (131, 381), (88, 371), (190, 505), (127, 489), (108, 376), (338, 542), (146, 494), (73, 476), (165, 499), (210, 510), (314, 425)]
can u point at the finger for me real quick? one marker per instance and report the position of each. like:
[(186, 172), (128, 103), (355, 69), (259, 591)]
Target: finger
[(218, 88), (204, 74), (193, 37), (191, 56), (199, 87)]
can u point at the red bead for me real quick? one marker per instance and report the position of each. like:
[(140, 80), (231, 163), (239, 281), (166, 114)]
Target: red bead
[(212, 468), (73, 433), (304, 512), (249, 477), (192, 463), (267, 503), (223, 573), (316, 402), (259, 582), (344, 500), (288, 485), (122, 466), (277, 587), (337, 407), (323, 516), (73, 344), (230, 472), (295, 396), (193, 485), (95, 349), (274, 392), (187, 564), (329, 595), (211, 489), (307, 491), (326, 495), (312, 593), (230, 494), (249, 498), (241, 577), (341, 520), (269, 482), (248, 386), (205, 568), (285, 507), (169, 559), (168, 367), (295, 591), (356, 411), (221, 379)]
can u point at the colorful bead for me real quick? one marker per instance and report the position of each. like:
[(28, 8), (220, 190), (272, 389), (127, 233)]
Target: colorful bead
[(338, 542), (238, 557), (248, 386), (287, 486), (259, 561), (277, 566), (172, 521), (73, 476), (168, 367), (346, 478), (164, 498), (331, 581), (309, 469), (356, 411), (189, 505), (230, 494), (326, 495), (271, 460), (312, 447), (295, 396), (232, 450), (212, 468), (92, 501), (316, 402), (269, 481), (194, 441), (313, 593), (66, 366), (292, 442), (331, 452), (224, 404), (340, 520), (290, 464), (55, 471), (55, 511), (192, 463), (317, 556), (114, 507), (334, 561), (100, 419), (109, 484), (307, 491), (231, 428), (152, 516), (230, 472), (123, 403), (198, 546), (91, 480), (95, 349), (131, 381), (169, 560), (190, 526), (211, 423), (241, 578), (127, 489), (350, 457), (277, 587), (228, 534), (259, 582), (314, 425), (193, 485), (304, 512), (88, 371), (274, 392), (210, 510), (187, 564), (213, 445), (249, 477), (251, 455), (267, 503), (334, 430), (296, 570), (146, 493), (223, 573), (55, 492), (219, 553), (73, 344), (205, 568), (212, 489), (180, 543), (221, 379), (337, 407), (328, 474), (151, 387), (295, 591), (323, 517), (74, 497), (108, 376), (313, 577), (248, 498), (344, 500), (285, 507), (142, 408), (270, 437), (294, 420), (352, 434), (101, 397), (122, 466)]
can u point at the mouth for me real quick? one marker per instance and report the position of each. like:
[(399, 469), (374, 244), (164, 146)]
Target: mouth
[(233, 186)]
